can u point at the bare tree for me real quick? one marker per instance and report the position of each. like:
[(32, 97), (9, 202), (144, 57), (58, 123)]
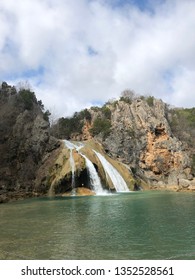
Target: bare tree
[(128, 95), (24, 85)]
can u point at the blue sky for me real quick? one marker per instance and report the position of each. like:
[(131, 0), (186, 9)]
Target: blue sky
[(76, 54), (141, 4)]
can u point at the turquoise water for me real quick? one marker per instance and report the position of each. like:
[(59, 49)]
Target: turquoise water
[(139, 225)]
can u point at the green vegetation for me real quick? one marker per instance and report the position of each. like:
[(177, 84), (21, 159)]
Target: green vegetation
[(106, 112), (95, 108), (150, 100), (181, 118), (182, 123), (46, 115), (101, 125), (66, 127), (129, 95), (85, 114), (27, 98)]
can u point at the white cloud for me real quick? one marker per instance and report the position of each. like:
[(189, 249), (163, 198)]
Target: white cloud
[(150, 52)]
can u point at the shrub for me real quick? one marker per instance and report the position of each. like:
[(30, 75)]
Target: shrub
[(150, 100)]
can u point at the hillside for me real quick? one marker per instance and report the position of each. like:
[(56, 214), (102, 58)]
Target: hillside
[(24, 141), (151, 139), (142, 132)]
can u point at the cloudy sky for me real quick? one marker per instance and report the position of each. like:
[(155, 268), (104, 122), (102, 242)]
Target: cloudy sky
[(79, 53)]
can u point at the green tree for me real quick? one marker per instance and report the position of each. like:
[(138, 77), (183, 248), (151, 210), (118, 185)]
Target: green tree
[(46, 115), (27, 98), (106, 111), (101, 126)]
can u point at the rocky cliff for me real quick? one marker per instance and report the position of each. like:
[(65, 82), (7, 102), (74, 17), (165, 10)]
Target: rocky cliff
[(24, 141), (137, 131), (141, 136)]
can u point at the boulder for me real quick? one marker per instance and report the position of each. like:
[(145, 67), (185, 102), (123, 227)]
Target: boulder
[(184, 183)]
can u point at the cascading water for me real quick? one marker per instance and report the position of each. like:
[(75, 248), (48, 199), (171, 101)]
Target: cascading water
[(71, 146), (72, 164), (94, 178), (114, 175)]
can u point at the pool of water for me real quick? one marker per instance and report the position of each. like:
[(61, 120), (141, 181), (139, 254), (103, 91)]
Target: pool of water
[(136, 225)]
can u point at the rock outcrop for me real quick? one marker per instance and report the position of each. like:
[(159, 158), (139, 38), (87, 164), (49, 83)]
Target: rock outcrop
[(140, 136), (24, 142)]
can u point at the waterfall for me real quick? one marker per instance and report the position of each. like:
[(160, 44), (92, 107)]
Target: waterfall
[(117, 180), (94, 178), (72, 164), (114, 175), (71, 146)]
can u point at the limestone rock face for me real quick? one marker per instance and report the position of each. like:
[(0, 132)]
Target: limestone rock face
[(141, 137), (155, 153)]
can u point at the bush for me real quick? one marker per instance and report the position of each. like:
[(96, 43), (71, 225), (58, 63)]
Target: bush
[(150, 100)]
